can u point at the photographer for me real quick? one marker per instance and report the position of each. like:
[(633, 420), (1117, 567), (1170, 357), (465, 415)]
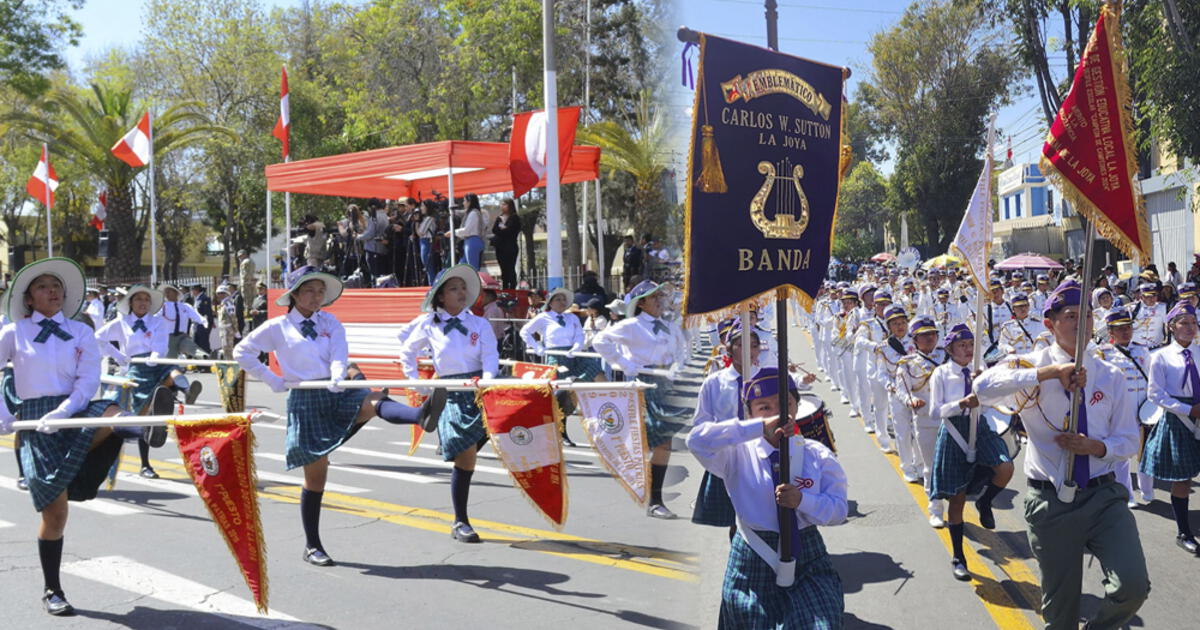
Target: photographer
[(374, 241), (311, 236), (400, 238), (425, 232)]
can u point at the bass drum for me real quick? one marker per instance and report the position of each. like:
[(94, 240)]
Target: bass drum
[(1149, 413), (1007, 426), (812, 420)]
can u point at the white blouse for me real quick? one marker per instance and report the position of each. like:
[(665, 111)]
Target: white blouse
[(152, 341), (55, 367), (300, 358)]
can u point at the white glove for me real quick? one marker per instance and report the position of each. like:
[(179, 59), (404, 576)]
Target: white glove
[(539, 350), (44, 426), (6, 423), (673, 373), (333, 386), (275, 382), (629, 369), (571, 353)]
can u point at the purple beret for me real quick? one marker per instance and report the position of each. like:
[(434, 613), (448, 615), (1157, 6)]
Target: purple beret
[(958, 333), (1181, 308), (1066, 294), (922, 324), (765, 384)]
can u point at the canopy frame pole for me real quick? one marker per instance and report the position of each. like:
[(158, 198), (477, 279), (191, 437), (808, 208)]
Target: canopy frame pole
[(450, 184)]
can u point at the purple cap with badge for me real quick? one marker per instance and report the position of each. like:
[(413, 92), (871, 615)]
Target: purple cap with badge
[(1180, 309), (922, 324), (893, 312), (765, 384), (1066, 294), (959, 332)]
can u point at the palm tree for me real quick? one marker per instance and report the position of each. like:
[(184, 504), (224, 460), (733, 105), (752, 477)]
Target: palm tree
[(82, 127)]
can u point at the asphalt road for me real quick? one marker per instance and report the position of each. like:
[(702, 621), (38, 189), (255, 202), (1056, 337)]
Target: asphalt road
[(146, 555)]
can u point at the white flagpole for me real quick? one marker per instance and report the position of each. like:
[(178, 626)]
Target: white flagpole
[(153, 210), (267, 249), (600, 236), (287, 230), (554, 263), (980, 300), (49, 227), (587, 102), (450, 185)]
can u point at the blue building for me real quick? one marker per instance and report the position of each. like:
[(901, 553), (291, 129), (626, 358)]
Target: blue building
[(1030, 215)]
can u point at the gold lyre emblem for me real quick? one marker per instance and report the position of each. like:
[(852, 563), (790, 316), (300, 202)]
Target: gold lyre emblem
[(791, 204)]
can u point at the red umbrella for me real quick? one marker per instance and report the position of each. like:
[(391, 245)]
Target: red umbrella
[(1027, 261), (883, 257)]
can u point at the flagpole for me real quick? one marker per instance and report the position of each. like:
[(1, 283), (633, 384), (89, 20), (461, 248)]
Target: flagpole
[(153, 210), (450, 185), (587, 101), (600, 235), (49, 226), (554, 265), (977, 355), (287, 229), (267, 249)]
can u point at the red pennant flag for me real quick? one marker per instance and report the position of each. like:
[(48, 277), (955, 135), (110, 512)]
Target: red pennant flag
[(43, 174), (425, 371), (522, 423), (219, 456), (527, 146), (101, 212), (1090, 154), (135, 147), (536, 371), (283, 125)]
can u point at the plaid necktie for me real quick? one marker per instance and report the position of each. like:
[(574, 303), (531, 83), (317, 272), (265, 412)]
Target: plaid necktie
[(51, 327), (561, 321), (139, 325), (308, 329), (966, 382), (1192, 376), (454, 324), (659, 327)]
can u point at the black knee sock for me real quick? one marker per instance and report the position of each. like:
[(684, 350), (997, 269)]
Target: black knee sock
[(1180, 506), (144, 451), (128, 433), (956, 539), (310, 515), (396, 413), (989, 494), (658, 472), (50, 552), (732, 532), (20, 466), (460, 490)]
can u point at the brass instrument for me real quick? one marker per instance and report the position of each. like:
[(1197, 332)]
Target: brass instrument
[(785, 224)]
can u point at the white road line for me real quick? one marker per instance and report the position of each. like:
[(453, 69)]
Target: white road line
[(135, 577), (282, 426), (566, 451), (291, 480), (101, 506), (4, 524), (385, 474), (418, 460)]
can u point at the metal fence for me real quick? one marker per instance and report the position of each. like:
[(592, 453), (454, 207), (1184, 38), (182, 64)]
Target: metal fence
[(209, 283)]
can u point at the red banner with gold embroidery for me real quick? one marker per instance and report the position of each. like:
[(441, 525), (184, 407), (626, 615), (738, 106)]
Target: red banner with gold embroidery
[(219, 456), (522, 422), (1090, 154), (538, 371)]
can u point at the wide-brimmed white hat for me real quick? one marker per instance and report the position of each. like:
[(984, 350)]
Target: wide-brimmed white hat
[(66, 270), (462, 270), (616, 306), (333, 287), (560, 291), (162, 288), (644, 289), (156, 299)]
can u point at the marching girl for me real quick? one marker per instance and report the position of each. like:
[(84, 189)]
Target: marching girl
[(1172, 451), (1102, 303), (462, 346), (56, 369), (140, 333), (888, 354), (646, 340), (310, 344), (953, 476), (744, 453), (1133, 359), (912, 391)]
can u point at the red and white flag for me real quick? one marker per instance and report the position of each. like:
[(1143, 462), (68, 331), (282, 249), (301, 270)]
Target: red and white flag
[(523, 424), (527, 146), (134, 148), (36, 187), (101, 212), (283, 125)]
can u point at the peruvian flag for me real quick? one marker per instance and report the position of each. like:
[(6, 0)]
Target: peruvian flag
[(522, 422), (134, 148), (101, 211), (36, 187), (527, 146), (283, 126)]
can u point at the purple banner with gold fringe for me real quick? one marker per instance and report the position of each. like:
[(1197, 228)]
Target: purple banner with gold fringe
[(766, 161)]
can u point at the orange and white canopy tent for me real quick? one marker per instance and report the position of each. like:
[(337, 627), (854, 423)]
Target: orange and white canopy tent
[(417, 170)]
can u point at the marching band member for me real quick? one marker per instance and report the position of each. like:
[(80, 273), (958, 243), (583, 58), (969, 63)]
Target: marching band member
[(843, 344), (1102, 303), (873, 333), (998, 312), (908, 298), (1149, 317), (310, 344), (138, 333), (828, 320), (865, 313), (178, 314), (1173, 450), (744, 454), (913, 391), (561, 331), (1096, 519), (645, 340), (944, 312), (1017, 334), (954, 477), (56, 369), (1133, 359), (888, 356), (1037, 299)]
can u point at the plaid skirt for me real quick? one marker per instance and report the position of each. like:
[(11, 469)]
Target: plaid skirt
[(662, 421), (750, 600), (461, 424), (1172, 453), (319, 421), (952, 473), (64, 461), (148, 378), (713, 505), (578, 368), (9, 385)]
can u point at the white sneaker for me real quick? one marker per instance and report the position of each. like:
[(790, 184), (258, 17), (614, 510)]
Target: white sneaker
[(936, 521), (887, 447), (1132, 504), (911, 477), (1148, 495), (845, 401)]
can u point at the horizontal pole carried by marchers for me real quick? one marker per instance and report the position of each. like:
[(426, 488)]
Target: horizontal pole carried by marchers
[(383, 361), (596, 355), (182, 362), (461, 385), (119, 381), (135, 421)]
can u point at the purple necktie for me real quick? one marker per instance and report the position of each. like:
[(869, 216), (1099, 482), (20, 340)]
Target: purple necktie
[(782, 477), (1083, 464), (966, 382), (1193, 376)]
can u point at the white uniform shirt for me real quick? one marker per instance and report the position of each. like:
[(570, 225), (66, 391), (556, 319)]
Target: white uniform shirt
[(1017, 336), (1134, 363), (300, 358), (1000, 313), (735, 451), (1149, 324), (912, 377), (1169, 381), (180, 310), (53, 368), (131, 343), (95, 310), (946, 387), (452, 351), (887, 359), (719, 398), (632, 344), (546, 325), (1111, 411)]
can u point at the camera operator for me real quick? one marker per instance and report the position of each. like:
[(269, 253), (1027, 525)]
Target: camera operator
[(399, 236), (374, 241), (312, 237)]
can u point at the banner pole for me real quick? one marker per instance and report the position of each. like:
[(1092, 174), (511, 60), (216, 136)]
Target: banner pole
[(1081, 336), (267, 248), (287, 230), (49, 227), (153, 210)]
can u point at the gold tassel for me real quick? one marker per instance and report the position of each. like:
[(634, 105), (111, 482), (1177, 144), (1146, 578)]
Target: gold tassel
[(712, 178)]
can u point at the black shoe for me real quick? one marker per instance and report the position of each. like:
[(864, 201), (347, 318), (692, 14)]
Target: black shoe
[(987, 519), (318, 557), (148, 473), (960, 569), (192, 392), (56, 604), (1187, 543), (464, 533), (162, 402), (659, 510), (22, 485), (567, 441), (431, 410)]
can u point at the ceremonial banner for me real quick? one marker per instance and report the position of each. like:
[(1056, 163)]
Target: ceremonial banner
[(219, 456), (1090, 154), (424, 370), (231, 382), (535, 371), (766, 161), (522, 423), (616, 428), (973, 242)]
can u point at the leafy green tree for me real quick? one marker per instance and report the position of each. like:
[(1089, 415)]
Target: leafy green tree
[(1165, 64), (32, 34), (861, 204)]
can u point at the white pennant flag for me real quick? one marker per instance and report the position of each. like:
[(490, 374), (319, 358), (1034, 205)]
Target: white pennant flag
[(614, 423), (973, 242)]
